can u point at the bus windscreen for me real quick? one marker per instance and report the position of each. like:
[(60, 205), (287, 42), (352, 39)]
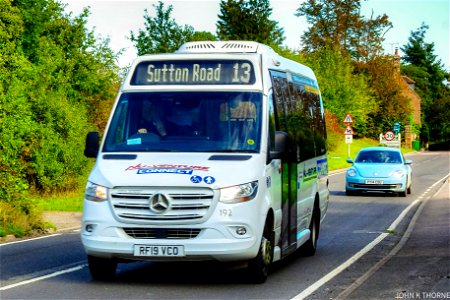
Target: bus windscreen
[(194, 72)]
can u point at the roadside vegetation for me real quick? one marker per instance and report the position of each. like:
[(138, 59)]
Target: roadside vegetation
[(58, 81)]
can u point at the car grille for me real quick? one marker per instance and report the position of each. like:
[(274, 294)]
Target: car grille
[(133, 204), (162, 233), (375, 186)]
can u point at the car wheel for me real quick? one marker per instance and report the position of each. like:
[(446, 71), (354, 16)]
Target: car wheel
[(408, 190), (259, 266), (309, 248), (402, 194), (350, 193), (102, 269)]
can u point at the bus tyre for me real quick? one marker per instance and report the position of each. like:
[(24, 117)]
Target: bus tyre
[(102, 269), (259, 266), (309, 248)]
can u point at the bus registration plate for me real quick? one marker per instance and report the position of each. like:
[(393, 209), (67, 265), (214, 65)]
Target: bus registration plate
[(158, 250)]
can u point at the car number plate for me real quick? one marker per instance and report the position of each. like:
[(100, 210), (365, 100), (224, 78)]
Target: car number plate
[(158, 250), (374, 181)]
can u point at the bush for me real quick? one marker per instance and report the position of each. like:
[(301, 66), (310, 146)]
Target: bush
[(20, 219)]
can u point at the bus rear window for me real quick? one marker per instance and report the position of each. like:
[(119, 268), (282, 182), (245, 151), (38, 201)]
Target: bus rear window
[(194, 72)]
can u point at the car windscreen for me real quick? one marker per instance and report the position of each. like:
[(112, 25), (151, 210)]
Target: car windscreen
[(186, 122), (379, 156)]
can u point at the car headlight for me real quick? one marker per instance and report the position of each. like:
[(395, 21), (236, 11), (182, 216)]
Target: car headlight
[(95, 192), (239, 193), (351, 172), (397, 173)]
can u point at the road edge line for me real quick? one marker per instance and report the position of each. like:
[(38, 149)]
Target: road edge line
[(315, 286), (358, 282), (32, 280)]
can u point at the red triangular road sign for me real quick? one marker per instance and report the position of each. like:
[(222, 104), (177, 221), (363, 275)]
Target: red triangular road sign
[(348, 119), (348, 130)]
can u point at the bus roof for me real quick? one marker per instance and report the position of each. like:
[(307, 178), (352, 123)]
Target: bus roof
[(258, 53), (225, 47)]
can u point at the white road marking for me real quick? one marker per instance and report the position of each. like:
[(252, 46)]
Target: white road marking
[(358, 282), (33, 280), (29, 240), (312, 288)]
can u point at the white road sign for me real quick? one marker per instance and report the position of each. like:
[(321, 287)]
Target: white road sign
[(348, 138)]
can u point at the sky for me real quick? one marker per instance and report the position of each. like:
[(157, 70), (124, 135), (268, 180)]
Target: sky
[(115, 19)]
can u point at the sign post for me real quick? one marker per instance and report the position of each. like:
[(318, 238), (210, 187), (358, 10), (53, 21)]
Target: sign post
[(348, 133)]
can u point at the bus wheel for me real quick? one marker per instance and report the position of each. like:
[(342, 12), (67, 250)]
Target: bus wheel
[(309, 248), (102, 269), (259, 266)]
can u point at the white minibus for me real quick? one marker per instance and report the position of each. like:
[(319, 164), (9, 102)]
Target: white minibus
[(214, 152)]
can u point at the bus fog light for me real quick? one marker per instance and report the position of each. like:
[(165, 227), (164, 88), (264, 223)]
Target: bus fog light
[(241, 230)]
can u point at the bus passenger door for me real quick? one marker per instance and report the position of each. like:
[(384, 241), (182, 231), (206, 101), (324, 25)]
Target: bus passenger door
[(289, 171)]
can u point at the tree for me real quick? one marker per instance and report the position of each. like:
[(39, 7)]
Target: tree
[(422, 65), (199, 36), (391, 102), (339, 23), (421, 55), (162, 34), (248, 20), (343, 90), (53, 73)]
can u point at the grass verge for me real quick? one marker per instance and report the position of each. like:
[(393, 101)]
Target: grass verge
[(69, 201)]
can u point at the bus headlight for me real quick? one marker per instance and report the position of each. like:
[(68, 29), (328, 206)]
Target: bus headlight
[(95, 192), (239, 193)]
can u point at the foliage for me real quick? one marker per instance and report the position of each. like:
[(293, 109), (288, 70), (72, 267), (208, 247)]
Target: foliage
[(337, 157), (20, 219), (248, 20), (428, 73), (199, 36), (68, 201), (391, 103), (438, 119), (162, 34), (55, 80), (339, 23), (342, 90)]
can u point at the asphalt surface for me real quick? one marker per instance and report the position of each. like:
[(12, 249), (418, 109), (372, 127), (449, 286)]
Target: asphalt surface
[(419, 266)]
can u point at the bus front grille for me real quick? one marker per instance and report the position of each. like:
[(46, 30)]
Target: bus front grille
[(162, 233), (142, 205)]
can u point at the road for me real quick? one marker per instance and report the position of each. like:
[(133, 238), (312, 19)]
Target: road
[(355, 258)]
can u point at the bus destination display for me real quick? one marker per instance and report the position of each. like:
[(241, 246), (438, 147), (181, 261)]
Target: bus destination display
[(193, 72)]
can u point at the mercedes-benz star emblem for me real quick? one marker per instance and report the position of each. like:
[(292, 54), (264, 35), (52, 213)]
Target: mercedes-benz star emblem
[(159, 203)]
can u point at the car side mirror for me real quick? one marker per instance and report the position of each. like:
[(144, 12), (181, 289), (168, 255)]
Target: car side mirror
[(408, 162), (349, 160), (92, 146)]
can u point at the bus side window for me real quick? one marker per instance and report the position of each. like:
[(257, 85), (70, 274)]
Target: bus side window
[(272, 124)]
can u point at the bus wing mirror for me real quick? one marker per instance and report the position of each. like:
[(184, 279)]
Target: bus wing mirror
[(92, 146), (280, 145)]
